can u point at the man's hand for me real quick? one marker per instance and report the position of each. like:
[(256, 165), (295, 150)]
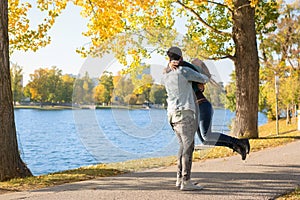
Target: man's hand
[(173, 64)]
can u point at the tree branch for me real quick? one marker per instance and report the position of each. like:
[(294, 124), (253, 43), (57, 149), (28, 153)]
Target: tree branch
[(220, 4), (91, 4), (202, 20), (217, 58), (240, 7)]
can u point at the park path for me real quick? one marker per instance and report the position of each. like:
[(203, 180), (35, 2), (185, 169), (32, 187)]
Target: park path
[(264, 175)]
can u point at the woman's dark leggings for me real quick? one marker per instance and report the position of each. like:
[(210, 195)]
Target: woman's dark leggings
[(206, 136)]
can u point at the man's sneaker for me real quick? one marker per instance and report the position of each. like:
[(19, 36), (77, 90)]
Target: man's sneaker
[(178, 182), (189, 186)]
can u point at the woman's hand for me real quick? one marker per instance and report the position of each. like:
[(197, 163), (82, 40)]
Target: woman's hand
[(201, 87)]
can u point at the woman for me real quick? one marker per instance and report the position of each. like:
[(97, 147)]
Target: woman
[(204, 132)]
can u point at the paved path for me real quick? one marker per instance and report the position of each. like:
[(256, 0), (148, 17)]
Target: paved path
[(264, 175)]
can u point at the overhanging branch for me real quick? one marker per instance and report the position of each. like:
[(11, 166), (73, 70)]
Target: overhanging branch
[(218, 58), (220, 4), (202, 20)]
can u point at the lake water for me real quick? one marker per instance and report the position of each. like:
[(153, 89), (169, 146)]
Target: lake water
[(56, 140)]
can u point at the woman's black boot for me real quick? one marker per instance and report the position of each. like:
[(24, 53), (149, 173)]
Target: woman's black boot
[(239, 148), (245, 143)]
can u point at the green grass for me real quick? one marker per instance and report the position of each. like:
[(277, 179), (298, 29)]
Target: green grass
[(288, 133)]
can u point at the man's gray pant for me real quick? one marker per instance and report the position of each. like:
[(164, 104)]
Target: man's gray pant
[(184, 124)]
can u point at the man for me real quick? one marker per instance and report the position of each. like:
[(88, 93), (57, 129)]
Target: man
[(182, 113), (206, 136)]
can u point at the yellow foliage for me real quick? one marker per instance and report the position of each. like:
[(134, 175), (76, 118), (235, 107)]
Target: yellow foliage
[(253, 3), (98, 93), (67, 78), (21, 36)]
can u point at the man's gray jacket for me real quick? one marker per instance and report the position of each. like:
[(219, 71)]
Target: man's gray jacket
[(178, 84)]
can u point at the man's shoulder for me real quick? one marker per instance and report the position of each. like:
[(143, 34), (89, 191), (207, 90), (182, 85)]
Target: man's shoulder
[(185, 69)]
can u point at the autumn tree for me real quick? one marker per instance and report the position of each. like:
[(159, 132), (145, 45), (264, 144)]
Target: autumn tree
[(142, 87), (98, 94), (44, 85), (158, 94), (66, 89), (54, 85), (123, 87), (16, 34), (16, 82), (83, 90), (106, 80), (280, 57), (21, 35), (228, 98), (214, 93), (11, 165), (215, 30)]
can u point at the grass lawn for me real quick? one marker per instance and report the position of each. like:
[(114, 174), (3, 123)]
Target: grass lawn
[(268, 138)]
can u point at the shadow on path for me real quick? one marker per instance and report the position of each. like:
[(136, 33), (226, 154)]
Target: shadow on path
[(266, 183)]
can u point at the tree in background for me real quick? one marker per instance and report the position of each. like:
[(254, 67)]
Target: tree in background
[(142, 87), (66, 89), (214, 94), (106, 80), (54, 85), (83, 90), (16, 74), (158, 94), (130, 99), (98, 94), (44, 85), (123, 87), (229, 99), (280, 57), (215, 30), (26, 92)]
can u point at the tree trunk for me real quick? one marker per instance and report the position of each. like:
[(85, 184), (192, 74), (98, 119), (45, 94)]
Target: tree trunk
[(247, 70), (11, 165)]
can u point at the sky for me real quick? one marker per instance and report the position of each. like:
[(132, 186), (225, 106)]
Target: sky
[(66, 37)]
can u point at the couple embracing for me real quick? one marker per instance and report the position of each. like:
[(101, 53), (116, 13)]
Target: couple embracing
[(189, 112)]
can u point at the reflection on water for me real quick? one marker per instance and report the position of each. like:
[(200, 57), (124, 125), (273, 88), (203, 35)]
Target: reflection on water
[(52, 141)]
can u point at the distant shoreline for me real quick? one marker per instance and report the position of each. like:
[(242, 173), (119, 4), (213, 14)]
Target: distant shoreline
[(60, 107), (43, 108)]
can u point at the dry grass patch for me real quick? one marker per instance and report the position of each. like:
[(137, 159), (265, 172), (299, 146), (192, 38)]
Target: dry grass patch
[(68, 176), (295, 195)]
